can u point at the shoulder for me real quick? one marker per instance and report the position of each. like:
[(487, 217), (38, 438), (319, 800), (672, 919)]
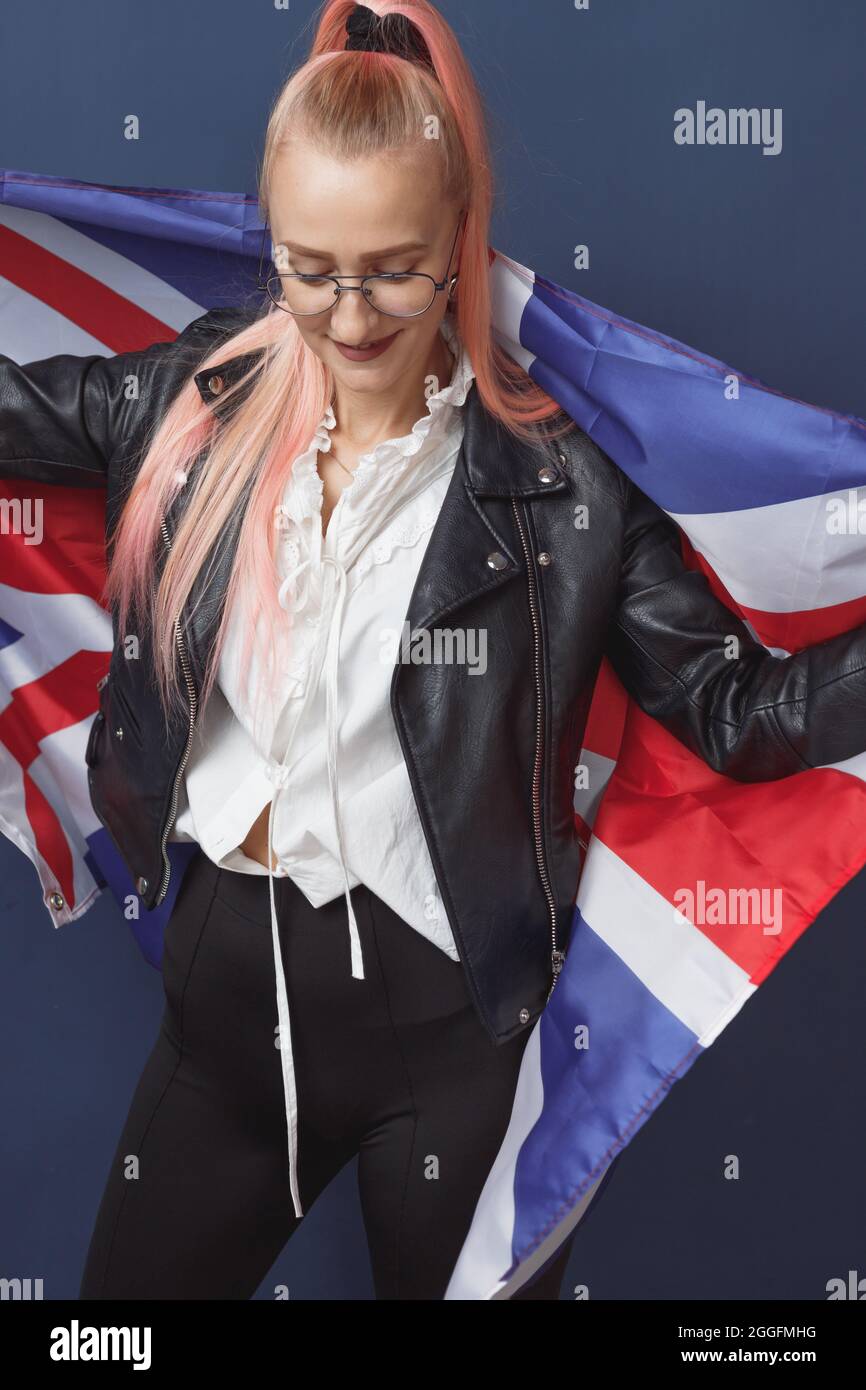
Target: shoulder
[(124, 394), (588, 463), (203, 335), (218, 324)]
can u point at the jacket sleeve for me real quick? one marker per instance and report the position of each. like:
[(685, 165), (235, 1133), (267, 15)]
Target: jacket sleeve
[(752, 716), (62, 417)]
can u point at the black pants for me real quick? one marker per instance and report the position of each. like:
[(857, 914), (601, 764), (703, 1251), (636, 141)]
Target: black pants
[(396, 1068)]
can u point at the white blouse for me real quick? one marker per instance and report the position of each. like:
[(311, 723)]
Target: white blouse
[(349, 814)]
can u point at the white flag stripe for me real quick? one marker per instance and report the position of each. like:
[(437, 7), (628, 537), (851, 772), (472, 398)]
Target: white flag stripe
[(110, 268), (31, 330), (509, 293), (855, 766), (15, 825), (57, 773), (52, 773), (483, 1260), (54, 627), (803, 567), (487, 1250), (677, 962), (588, 799)]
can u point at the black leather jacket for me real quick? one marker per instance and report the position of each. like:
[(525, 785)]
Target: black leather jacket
[(491, 760)]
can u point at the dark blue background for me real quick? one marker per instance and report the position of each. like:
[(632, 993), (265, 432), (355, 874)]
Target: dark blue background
[(753, 259)]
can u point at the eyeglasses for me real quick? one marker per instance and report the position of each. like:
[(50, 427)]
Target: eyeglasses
[(399, 295)]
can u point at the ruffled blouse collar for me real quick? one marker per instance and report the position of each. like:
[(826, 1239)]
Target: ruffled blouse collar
[(393, 469)]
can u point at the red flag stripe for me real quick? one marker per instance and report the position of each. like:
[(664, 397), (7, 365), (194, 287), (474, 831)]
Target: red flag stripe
[(62, 697), (70, 555), (50, 838), (763, 836), (103, 313), (791, 630)]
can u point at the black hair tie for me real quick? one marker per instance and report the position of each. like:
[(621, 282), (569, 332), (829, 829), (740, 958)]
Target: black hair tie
[(369, 32)]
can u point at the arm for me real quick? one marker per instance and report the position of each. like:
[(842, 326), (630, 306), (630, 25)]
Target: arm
[(754, 716), (62, 417)]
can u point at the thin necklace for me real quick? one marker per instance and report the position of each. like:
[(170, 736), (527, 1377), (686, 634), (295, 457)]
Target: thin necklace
[(329, 453)]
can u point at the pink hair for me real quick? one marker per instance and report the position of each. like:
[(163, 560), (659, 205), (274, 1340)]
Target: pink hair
[(352, 105)]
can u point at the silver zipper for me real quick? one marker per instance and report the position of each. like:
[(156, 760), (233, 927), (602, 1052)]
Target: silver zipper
[(557, 957), (193, 705)]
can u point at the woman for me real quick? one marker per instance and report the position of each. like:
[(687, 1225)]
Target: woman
[(356, 634)]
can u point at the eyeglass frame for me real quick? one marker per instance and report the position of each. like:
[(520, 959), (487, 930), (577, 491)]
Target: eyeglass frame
[(438, 286)]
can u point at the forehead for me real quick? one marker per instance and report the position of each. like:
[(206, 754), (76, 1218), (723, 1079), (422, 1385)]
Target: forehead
[(326, 203)]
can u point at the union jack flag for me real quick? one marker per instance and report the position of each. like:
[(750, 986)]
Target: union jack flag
[(748, 475)]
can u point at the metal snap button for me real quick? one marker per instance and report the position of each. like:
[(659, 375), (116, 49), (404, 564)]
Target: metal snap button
[(118, 733), (545, 557), (56, 900), (547, 475), (141, 884), (524, 1015), (215, 384), (496, 560)]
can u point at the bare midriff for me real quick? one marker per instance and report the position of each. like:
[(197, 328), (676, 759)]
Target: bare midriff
[(255, 846)]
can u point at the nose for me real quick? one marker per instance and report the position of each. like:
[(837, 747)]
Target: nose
[(353, 320)]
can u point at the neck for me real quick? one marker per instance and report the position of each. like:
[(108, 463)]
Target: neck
[(363, 419)]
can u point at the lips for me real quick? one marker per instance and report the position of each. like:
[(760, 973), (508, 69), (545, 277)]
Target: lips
[(364, 354)]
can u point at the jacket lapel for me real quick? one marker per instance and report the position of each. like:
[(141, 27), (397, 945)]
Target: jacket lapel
[(465, 553)]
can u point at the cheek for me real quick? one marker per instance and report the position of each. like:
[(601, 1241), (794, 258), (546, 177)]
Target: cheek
[(418, 338), (316, 339), (311, 336)]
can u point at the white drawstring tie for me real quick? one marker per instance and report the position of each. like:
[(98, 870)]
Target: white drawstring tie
[(278, 775)]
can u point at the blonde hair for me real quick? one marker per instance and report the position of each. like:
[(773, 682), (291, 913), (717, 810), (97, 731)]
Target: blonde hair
[(351, 104)]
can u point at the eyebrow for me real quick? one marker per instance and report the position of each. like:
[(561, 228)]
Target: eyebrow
[(367, 256)]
